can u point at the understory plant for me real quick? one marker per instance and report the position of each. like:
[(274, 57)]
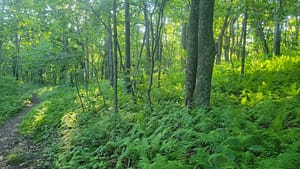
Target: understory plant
[(254, 123)]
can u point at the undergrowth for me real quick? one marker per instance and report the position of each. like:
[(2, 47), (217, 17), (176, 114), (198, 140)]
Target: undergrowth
[(14, 96), (254, 123)]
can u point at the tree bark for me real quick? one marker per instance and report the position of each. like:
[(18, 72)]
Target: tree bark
[(15, 60), (261, 36), (109, 54), (156, 36), (232, 37), (115, 59), (192, 50), (244, 33), (296, 41), (147, 33), (87, 59), (277, 29), (206, 54), (226, 47), (184, 35), (220, 40), (127, 80), (159, 57), (87, 66), (149, 57)]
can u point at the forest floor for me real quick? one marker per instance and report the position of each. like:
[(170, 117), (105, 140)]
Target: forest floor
[(16, 151)]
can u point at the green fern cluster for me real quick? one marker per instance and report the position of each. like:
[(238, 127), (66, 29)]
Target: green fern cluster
[(254, 123)]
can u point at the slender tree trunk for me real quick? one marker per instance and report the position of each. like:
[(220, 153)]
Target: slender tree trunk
[(87, 59), (87, 66), (192, 50), (232, 37), (147, 32), (1, 63), (285, 29), (16, 58), (40, 76), (206, 54), (158, 40), (98, 85), (244, 30), (150, 57), (159, 46), (127, 80), (115, 58), (296, 41), (277, 29), (184, 35), (76, 81), (226, 47), (220, 40), (109, 54), (156, 36), (261, 36), (159, 55), (240, 44)]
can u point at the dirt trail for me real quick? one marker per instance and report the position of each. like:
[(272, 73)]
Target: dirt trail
[(23, 154)]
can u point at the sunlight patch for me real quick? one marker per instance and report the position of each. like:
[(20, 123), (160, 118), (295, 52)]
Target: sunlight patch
[(68, 120), (45, 89), (40, 115)]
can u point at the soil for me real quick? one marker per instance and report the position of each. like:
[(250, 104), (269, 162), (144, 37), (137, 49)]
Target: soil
[(16, 151)]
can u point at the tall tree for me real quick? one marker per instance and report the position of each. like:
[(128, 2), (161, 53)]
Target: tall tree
[(200, 75), (109, 53), (244, 35), (261, 35), (296, 38), (277, 28), (220, 39), (206, 54), (128, 87), (115, 58), (192, 50), (16, 58)]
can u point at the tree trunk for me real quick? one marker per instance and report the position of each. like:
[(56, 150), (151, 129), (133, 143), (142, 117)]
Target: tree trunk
[(1, 62), (87, 59), (109, 54), (15, 60), (277, 29), (127, 80), (192, 50), (115, 59), (150, 57), (156, 36), (220, 40), (240, 44), (184, 35), (147, 33), (296, 41), (158, 40), (261, 36), (226, 47), (87, 67), (159, 56), (206, 54), (232, 37), (244, 33)]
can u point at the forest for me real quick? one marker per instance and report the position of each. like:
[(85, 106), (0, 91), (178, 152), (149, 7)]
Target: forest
[(149, 84)]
